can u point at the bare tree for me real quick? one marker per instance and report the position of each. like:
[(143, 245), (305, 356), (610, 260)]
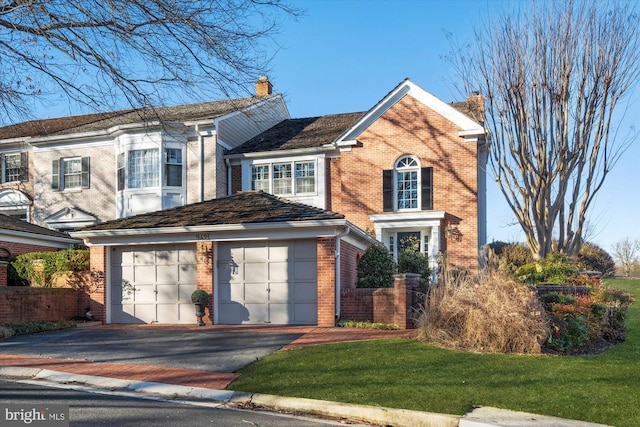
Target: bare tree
[(106, 53), (553, 77), (626, 253)]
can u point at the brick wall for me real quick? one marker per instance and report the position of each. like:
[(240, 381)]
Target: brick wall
[(93, 294), (236, 179), (349, 257), (326, 247), (356, 304), (410, 128), (204, 274), (20, 304)]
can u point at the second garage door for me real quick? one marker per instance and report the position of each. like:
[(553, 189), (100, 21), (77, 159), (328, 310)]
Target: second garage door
[(267, 282)]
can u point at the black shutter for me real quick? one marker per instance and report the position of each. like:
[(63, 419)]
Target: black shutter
[(427, 188), (55, 175), (24, 167), (387, 190), (85, 172)]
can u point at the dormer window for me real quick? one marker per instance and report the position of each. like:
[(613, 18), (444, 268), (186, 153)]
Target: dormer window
[(407, 186)]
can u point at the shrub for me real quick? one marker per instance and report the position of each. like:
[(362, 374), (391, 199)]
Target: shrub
[(556, 269), (511, 256), (366, 325), (50, 263), (410, 261), (594, 258), (376, 268), (199, 296), (493, 314)]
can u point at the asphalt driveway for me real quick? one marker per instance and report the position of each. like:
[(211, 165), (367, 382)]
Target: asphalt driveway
[(202, 349)]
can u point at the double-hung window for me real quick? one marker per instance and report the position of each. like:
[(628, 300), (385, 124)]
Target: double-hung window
[(173, 167), (305, 177), (71, 173), (260, 178), (282, 178), (144, 168), (14, 167), (407, 170)]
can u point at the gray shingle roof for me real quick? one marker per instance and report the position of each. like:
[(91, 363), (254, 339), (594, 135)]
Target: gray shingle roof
[(241, 208), (308, 132), (14, 224), (102, 121)]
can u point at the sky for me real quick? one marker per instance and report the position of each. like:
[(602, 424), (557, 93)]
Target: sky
[(345, 55)]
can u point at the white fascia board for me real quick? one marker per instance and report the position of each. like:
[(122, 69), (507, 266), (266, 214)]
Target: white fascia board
[(224, 232), (16, 141), (293, 154), (407, 87), (37, 239), (408, 219)]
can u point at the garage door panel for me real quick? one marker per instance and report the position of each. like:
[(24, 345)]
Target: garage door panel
[(145, 312), (124, 314), (144, 293), (144, 258), (167, 293), (306, 292), (167, 274), (256, 313), (278, 271), (187, 256), (304, 249), (186, 313), (233, 313), (166, 257), (254, 271), (255, 253), (253, 293), (305, 270), (279, 292), (187, 273), (305, 314), (279, 252), (184, 292), (144, 274), (280, 314)]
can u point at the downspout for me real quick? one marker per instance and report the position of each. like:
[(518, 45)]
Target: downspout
[(337, 256)]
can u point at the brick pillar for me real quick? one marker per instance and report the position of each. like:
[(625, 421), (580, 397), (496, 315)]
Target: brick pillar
[(404, 286), (205, 263), (326, 247), (93, 295), (3, 272)]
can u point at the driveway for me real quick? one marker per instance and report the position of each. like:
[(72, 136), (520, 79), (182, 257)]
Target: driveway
[(188, 348)]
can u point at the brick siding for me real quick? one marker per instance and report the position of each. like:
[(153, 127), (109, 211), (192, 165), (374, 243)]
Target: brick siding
[(326, 247), (204, 274), (410, 128)]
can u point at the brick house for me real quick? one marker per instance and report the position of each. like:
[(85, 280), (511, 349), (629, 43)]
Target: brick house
[(410, 166)]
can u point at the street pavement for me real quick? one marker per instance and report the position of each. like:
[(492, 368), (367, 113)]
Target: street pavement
[(199, 363)]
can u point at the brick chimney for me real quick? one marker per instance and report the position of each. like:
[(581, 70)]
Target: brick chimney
[(263, 86)]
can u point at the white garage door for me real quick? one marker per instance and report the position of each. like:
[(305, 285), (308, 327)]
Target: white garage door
[(153, 284), (268, 282)]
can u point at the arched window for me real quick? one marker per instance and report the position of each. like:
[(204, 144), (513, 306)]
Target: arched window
[(407, 183), (407, 186)]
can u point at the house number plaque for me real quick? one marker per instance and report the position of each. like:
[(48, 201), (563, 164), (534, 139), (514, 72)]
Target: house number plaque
[(202, 236)]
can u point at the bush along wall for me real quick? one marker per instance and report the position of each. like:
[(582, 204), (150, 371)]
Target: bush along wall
[(585, 316), (39, 268)]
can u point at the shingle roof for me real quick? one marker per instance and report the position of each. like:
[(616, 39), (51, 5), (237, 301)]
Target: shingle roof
[(241, 208), (102, 121), (308, 132), (14, 224)]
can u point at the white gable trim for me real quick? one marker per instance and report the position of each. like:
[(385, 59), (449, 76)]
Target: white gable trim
[(469, 127)]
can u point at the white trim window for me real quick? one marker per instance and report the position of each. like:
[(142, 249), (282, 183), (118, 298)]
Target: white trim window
[(285, 178), (144, 168), (173, 167), (407, 183), (70, 173), (14, 167), (260, 177)]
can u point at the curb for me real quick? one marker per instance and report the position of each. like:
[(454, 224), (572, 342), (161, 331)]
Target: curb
[(479, 417)]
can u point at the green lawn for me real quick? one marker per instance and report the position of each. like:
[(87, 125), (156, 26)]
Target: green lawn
[(408, 374)]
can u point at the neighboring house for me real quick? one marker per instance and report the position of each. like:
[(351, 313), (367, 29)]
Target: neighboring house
[(71, 172), (411, 166), (19, 237), (263, 259)]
